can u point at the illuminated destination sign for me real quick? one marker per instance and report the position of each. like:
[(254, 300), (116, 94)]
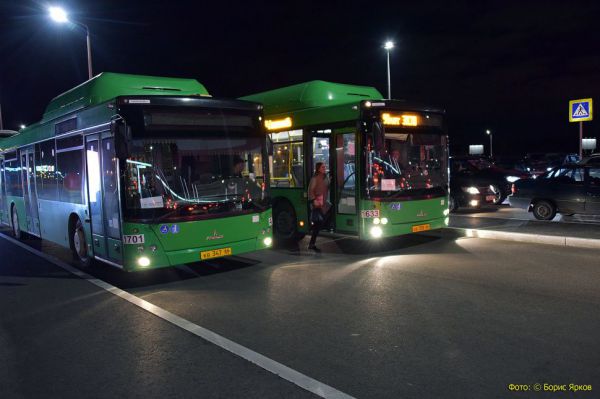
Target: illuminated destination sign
[(275, 124), (400, 119)]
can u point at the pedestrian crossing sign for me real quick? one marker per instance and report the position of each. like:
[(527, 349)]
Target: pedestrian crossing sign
[(580, 110)]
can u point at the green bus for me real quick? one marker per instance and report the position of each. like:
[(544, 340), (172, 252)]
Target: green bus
[(387, 159), (140, 172)]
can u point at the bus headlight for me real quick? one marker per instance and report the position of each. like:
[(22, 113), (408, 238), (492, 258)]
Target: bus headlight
[(376, 232), (446, 212), (376, 221), (384, 220), (268, 241), (144, 261)]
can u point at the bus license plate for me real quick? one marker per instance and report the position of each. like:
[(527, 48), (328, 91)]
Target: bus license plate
[(421, 227), (215, 253)]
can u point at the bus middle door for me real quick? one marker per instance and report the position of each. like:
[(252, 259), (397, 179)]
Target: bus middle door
[(320, 151), (29, 190), (104, 197)]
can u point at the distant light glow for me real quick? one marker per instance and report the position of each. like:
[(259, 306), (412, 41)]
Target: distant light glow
[(58, 14), (268, 241), (22, 126), (388, 45)]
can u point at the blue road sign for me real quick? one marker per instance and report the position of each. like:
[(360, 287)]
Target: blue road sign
[(580, 110)]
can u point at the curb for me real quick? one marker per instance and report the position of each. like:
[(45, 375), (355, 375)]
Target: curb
[(562, 241)]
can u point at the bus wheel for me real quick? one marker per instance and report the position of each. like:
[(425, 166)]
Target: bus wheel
[(284, 223), (79, 245), (16, 228)]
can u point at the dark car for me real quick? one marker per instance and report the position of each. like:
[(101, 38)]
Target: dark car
[(481, 172), (568, 189), (592, 160), (465, 193), (538, 164)]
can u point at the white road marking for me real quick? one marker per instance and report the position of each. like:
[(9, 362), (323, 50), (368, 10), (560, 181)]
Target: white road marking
[(280, 370)]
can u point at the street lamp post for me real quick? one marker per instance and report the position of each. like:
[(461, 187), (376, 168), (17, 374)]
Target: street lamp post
[(388, 46), (489, 133), (59, 15)]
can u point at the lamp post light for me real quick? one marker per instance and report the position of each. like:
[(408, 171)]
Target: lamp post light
[(388, 46), (60, 16), (489, 133)]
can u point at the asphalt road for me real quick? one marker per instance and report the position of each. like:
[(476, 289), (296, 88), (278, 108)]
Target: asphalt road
[(415, 317)]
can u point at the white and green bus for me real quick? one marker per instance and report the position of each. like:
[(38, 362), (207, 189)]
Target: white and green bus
[(140, 172)]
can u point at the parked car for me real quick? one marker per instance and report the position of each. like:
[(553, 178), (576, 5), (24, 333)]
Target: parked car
[(593, 159), (538, 164), (481, 172), (567, 189)]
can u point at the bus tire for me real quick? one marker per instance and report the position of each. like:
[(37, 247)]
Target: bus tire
[(14, 221), (285, 222), (79, 245)]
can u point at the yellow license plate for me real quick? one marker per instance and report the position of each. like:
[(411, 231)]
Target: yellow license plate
[(421, 227), (215, 253)]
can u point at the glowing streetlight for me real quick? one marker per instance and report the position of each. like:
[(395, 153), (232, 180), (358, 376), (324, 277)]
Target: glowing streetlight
[(388, 46), (22, 126), (60, 16), (489, 133)]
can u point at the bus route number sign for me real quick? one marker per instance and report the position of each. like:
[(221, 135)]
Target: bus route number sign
[(133, 239), (372, 213)]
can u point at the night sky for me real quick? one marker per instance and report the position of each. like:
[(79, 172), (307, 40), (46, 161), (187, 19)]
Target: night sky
[(507, 66)]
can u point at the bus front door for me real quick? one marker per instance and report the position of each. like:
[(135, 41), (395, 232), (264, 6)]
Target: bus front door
[(104, 198), (321, 152), (29, 190)]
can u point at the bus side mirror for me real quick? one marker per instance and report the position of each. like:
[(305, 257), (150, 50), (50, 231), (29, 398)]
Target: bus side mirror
[(122, 139)]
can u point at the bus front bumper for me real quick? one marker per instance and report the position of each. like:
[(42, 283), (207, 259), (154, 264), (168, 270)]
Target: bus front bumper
[(147, 260)]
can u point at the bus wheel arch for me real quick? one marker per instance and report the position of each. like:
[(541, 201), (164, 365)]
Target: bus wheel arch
[(285, 221), (14, 221), (78, 242)]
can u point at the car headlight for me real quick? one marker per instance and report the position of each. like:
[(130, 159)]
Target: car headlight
[(471, 190), (512, 179)]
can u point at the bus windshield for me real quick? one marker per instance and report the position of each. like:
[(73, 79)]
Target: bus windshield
[(191, 175), (410, 164)]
